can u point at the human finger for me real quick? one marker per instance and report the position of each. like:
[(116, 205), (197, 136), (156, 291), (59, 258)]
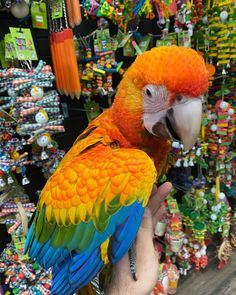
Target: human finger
[(159, 196)]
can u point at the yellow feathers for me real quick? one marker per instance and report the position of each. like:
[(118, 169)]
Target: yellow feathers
[(104, 251)]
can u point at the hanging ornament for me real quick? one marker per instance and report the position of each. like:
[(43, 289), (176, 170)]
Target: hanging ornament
[(44, 155), (74, 13), (61, 41), (41, 117), (11, 92), (205, 19), (2, 182), (213, 127), (223, 15), (36, 92), (44, 140), (25, 180), (223, 253), (20, 9), (161, 226)]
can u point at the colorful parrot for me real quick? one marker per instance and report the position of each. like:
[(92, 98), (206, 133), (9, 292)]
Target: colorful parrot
[(91, 208)]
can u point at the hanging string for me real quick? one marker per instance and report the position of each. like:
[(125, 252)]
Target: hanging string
[(65, 14)]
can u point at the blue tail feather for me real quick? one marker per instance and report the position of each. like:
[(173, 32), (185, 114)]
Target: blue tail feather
[(61, 285), (49, 255), (120, 217)]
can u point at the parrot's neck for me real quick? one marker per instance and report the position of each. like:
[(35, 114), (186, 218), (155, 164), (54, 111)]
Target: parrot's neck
[(132, 131), (106, 127), (155, 147)]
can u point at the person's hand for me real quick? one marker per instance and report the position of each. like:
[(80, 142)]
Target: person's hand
[(147, 265)]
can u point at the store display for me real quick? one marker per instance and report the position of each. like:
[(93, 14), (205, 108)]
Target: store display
[(88, 62), (221, 33), (12, 157), (23, 276), (96, 71), (27, 115), (20, 274), (36, 114)]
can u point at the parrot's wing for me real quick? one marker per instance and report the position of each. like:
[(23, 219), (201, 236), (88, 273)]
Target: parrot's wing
[(85, 141), (90, 211)]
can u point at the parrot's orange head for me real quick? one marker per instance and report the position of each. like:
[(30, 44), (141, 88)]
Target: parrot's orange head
[(160, 95)]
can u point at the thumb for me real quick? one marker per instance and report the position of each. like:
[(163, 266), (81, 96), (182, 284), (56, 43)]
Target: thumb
[(147, 257), (147, 224), (144, 240)]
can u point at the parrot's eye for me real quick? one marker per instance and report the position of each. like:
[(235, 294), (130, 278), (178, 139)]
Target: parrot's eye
[(179, 97), (148, 92)]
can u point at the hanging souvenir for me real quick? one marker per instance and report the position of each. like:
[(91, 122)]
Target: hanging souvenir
[(39, 15)]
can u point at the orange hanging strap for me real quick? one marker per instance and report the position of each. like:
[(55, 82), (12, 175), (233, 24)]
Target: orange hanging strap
[(59, 39), (54, 62), (76, 12), (67, 63), (64, 58), (70, 13), (74, 70), (57, 64)]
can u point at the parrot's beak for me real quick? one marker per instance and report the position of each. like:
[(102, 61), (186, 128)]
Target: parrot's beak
[(182, 122)]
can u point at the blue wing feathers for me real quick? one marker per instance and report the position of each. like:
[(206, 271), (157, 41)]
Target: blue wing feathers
[(53, 256), (125, 234), (92, 274), (29, 239), (73, 269), (80, 260), (45, 254), (75, 272), (35, 248), (82, 272)]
